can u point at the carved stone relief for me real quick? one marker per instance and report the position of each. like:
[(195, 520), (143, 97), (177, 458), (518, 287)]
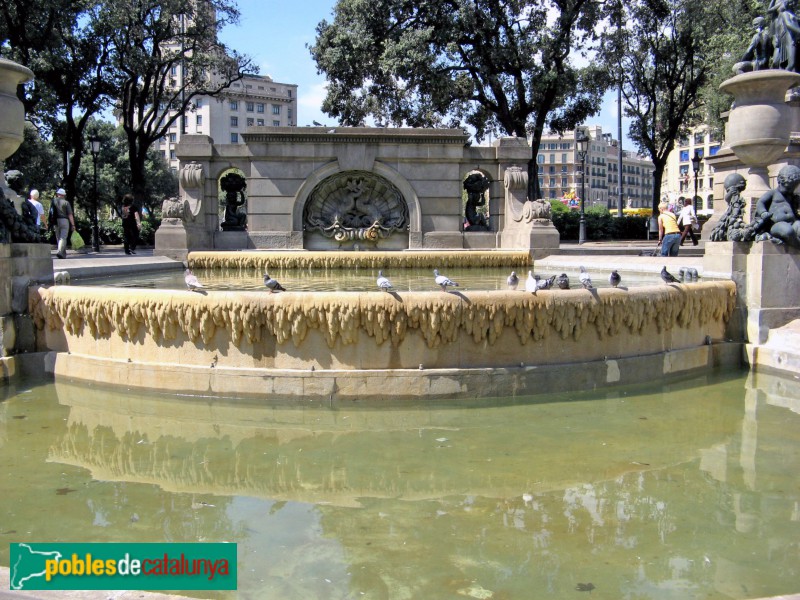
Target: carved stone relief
[(355, 205)]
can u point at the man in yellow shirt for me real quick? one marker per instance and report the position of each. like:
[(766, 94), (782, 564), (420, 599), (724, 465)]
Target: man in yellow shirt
[(669, 232)]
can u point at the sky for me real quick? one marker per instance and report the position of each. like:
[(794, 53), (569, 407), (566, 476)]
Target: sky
[(276, 35)]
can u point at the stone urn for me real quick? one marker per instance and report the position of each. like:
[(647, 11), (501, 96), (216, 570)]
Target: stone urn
[(758, 125), (12, 113)]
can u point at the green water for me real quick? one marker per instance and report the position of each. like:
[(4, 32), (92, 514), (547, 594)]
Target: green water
[(685, 490), (354, 280)]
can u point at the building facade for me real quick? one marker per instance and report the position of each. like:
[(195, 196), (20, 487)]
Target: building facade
[(679, 176), (560, 171), (254, 101)]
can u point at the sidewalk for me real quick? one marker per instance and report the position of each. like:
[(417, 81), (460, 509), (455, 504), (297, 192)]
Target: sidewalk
[(112, 260)]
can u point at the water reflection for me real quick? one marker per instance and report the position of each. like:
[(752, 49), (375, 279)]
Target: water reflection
[(683, 491)]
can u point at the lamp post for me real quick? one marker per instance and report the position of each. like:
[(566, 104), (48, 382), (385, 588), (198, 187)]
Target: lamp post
[(94, 143), (582, 146), (696, 168)]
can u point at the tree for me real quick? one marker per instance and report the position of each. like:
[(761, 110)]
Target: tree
[(56, 40), (500, 66), (165, 53), (38, 161), (114, 171), (664, 57)]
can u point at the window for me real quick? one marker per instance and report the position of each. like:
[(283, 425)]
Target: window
[(173, 71), (563, 158), (551, 169), (199, 119), (172, 154), (260, 122), (684, 156), (540, 159), (563, 182), (234, 138), (260, 107), (198, 102), (234, 121), (173, 137), (699, 138), (552, 158), (289, 114), (234, 105), (250, 122), (276, 109), (713, 150), (166, 155), (250, 106), (289, 92), (541, 169), (276, 123)]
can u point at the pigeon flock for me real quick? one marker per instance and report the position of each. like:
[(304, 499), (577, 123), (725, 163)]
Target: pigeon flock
[(533, 283)]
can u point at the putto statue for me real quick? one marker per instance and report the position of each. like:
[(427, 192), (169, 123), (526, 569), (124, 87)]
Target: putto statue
[(234, 185), (777, 216), (731, 226), (476, 185)]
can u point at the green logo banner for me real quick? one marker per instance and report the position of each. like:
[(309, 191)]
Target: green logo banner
[(123, 566)]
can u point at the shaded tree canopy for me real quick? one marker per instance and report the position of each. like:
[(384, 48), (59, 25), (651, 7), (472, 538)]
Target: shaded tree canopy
[(501, 66)]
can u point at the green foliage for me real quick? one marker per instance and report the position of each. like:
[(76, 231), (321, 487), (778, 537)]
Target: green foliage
[(111, 231), (663, 58), (499, 66), (556, 206), (146, 58), (600, 225), (38, 161)]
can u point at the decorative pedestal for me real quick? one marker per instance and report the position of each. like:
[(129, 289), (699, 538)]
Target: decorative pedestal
[(177, 240)]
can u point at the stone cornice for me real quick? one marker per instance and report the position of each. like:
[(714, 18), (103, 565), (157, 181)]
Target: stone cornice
[(341, 135)]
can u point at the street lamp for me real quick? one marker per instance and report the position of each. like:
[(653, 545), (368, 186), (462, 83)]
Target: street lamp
[(582, 146), (695, 167), (94, 144)]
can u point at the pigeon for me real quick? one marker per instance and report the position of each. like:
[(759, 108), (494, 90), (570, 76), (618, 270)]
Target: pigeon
[(272, 284), (192, 283), (614, 279), (512, 281), (443, 281), (667, 276), (383, 283), (562, 281), (530, 284), (586, 281), (544, 284)]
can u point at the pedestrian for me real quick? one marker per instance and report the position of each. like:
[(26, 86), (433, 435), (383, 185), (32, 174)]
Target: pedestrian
[(669, 233), (687, 219), (65, 221), (33, 198), (131, 223)]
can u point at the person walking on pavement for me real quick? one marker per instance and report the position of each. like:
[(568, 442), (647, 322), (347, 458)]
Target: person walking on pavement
[(687, 219), (34, 200), (65, 221), (131, 222)]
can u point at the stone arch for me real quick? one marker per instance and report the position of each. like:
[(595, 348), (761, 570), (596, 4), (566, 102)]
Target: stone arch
[(332, 168)]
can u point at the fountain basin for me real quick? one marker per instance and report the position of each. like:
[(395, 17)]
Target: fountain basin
[(361, 344)]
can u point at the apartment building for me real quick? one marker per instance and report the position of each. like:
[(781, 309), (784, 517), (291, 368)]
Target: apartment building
[(559, 171), (254, 101), (680, 177)]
